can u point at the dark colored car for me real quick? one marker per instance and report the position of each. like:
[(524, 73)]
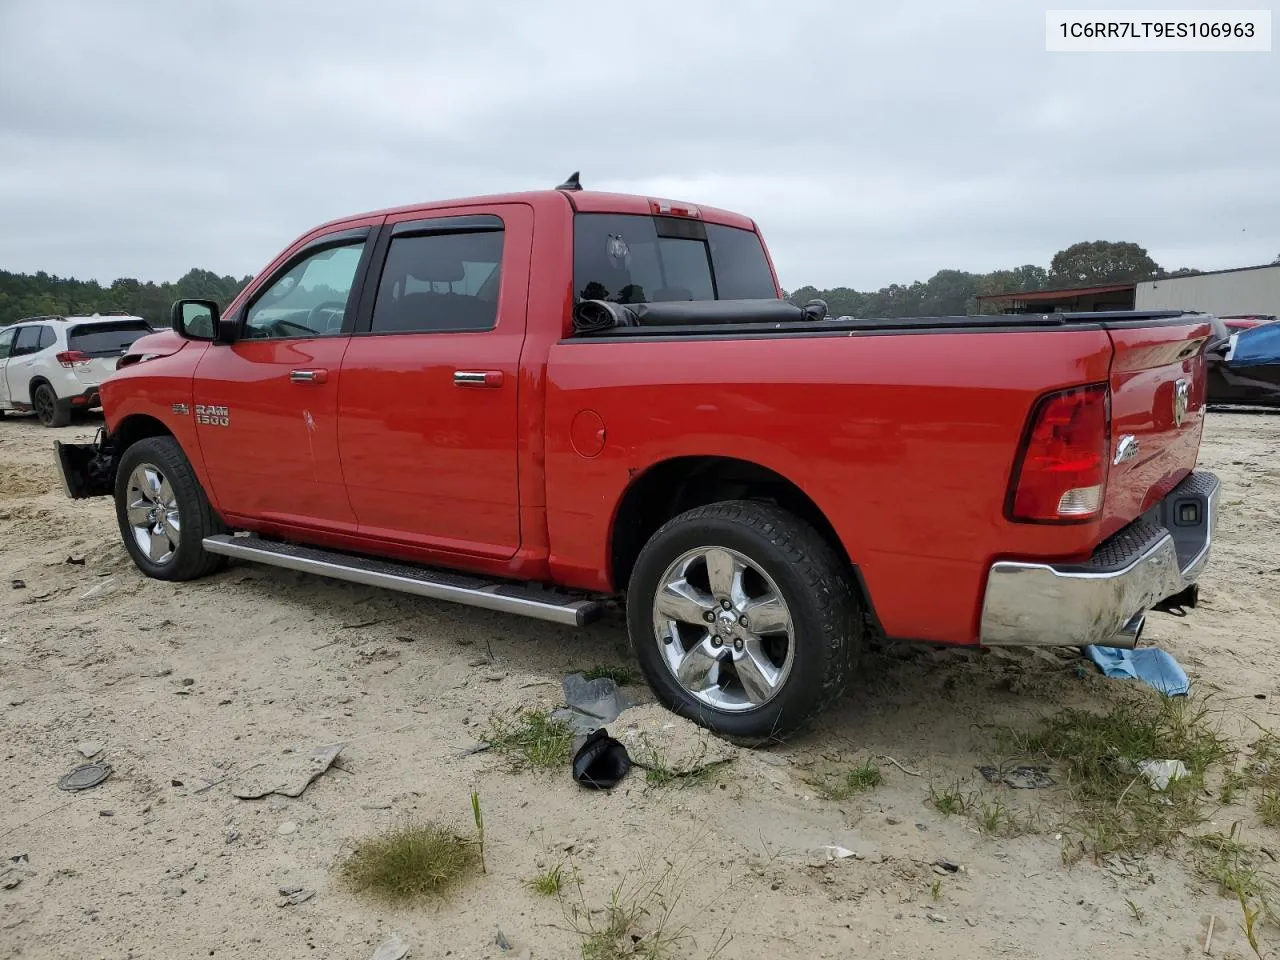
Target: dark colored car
[(1244, 368)]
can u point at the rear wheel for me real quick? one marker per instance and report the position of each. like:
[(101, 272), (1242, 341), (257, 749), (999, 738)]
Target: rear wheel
[(743, 619), (163, 512), (48, 411)]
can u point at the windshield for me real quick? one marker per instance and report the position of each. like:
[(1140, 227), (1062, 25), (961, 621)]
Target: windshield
[(106, 339), (632, 258)]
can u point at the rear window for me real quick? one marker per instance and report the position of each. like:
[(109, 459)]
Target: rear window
[(106, 339), (631, 258)]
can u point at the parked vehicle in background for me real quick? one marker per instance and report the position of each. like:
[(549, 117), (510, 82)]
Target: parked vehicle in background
[(53, 366), (1245, 369), (538, 402), (1245, 322)]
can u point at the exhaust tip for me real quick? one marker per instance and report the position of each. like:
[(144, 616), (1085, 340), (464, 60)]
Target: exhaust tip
[(1128, 636)]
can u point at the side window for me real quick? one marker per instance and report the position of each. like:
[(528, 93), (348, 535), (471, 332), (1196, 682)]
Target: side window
[(440, 282), (46, 338), (310, 300), (6, 343), (28, 338)]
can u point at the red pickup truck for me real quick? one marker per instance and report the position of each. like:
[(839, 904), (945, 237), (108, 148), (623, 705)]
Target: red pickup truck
[(539, 402)]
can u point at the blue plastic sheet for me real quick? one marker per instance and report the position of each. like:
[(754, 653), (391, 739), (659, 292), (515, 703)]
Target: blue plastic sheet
[(1152, 666)]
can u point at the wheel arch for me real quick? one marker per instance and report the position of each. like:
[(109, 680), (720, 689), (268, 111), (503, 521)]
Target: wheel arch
[(670, 487), (35, 382), (135, 427)]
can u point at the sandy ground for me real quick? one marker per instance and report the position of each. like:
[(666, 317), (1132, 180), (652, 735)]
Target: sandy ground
[(189, 685)]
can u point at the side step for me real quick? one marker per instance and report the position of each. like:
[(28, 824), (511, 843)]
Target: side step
[(575, 610)]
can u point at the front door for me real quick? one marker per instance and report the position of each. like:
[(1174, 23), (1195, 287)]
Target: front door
[(6, 348), (427, 419), (265, 406)]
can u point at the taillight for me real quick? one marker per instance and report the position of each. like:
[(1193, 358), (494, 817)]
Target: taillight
[(1061, 473), (668, 208), (73, 358)]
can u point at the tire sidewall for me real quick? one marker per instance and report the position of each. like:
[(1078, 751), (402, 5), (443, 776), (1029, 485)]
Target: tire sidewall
[(166, 455), (804, 684)]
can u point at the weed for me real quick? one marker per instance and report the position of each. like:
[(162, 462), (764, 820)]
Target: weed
[(935, 890), (1269, 807), (950, 802), (479, 819), (1233, 781), (410, 862), (659, 771), (865, 776), (1225, 860), (532, 738), (997, 820), (549, 882), (1135, 911), (622, 676), (1251, 915), (1117, 811)]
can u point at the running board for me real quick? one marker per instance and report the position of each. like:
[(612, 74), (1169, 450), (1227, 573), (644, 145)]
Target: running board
[(541, 603)]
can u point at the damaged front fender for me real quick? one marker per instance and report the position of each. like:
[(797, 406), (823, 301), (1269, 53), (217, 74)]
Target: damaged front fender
[(87, 469)]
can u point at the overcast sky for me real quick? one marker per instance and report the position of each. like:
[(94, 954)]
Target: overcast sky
[(873, 143)]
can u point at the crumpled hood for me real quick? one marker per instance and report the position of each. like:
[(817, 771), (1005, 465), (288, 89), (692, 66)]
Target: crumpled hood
[(162, 343)]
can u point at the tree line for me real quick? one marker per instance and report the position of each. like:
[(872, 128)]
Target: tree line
[(955, 292), (947, 292), (42, 294)]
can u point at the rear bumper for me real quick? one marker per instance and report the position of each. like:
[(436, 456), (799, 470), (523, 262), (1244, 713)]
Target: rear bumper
[(1157, 558)]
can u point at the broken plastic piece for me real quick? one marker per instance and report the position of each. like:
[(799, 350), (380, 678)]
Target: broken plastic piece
[(84, 777), (1019, 778), (1160, 773), (292, 775), (601, 762)]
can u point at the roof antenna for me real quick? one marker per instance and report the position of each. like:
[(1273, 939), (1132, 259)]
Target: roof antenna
[(572, 183)]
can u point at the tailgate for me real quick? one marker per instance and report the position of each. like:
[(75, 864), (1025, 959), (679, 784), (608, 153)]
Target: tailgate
[(1157, 412)]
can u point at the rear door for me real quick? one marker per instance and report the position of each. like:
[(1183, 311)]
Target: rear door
[(265, 407), (427, 419), (1157, 413)]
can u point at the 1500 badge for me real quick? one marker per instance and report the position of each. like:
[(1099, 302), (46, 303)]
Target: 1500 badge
[(214, 416)]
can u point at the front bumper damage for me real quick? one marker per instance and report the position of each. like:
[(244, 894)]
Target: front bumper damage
[(87, 469), (1156, 561)]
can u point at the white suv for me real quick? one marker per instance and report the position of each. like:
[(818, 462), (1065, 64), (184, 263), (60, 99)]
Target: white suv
[(53, 365)]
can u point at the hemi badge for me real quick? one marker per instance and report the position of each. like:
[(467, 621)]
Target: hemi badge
[(1126, 449), (181, 409)]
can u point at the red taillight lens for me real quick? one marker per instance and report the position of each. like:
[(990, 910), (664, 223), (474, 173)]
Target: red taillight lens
[(1062, 474), (73, 358)]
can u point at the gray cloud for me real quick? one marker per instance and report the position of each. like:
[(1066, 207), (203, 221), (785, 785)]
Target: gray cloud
[(141, 138)]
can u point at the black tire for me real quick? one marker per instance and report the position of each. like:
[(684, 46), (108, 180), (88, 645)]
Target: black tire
[(48, 410), (196, 517), (814, 585)]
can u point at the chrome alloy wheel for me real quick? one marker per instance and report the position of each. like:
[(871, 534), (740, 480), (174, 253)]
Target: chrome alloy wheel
[(153, 513), (724, 629)]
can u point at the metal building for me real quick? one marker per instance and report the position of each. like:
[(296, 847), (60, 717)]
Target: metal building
[(1243, 291)]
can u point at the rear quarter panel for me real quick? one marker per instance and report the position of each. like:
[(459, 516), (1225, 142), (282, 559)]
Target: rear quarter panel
[(904, 441)]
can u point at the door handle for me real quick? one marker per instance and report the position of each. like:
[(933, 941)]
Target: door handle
[(477, 378), (308, 376)]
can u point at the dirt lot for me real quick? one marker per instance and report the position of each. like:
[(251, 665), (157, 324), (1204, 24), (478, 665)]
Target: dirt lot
[(187, 686)]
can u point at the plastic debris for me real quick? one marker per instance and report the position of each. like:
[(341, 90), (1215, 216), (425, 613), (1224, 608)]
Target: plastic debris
[(289, 776), (393, 948), (90, 748), (1154, 667), (1019, 778), (84, 777), (832, 852), (590, 703), (1160, 773), (601, 762)]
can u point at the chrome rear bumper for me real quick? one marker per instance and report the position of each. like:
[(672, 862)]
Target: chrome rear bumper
[(1104, 599)]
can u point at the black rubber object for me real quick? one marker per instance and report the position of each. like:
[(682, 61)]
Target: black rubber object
[(813, 580), (601, 762), (195, 514)]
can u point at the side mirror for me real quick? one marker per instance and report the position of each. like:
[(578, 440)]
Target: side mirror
[(195, 319)]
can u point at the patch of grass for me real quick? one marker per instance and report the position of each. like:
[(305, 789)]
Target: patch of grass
[(1226, 861), (622, 676), (996, 819), (659, 771), (549, 883), (1233, 782), (865, 776), (950, 802), (1269, 807), (935, 890), (531, 738), (1115, 809), (410, 862)]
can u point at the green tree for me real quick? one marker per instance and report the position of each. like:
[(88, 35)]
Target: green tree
[(1101, 261)]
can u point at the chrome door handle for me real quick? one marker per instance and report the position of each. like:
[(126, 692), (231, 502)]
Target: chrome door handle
[(308, 376), (477, 378)]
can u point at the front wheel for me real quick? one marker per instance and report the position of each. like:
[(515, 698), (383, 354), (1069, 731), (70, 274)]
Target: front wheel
[(163, 512), (743, 619)]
